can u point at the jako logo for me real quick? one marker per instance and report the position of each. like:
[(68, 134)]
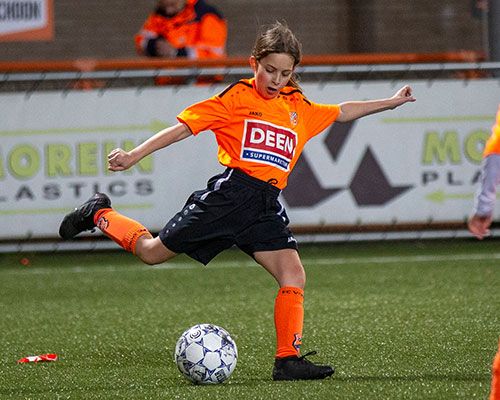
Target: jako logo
[(369, 186), (269, 144)]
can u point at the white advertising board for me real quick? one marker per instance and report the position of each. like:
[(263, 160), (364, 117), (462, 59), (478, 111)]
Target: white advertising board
[(418, 163), (26, 20)]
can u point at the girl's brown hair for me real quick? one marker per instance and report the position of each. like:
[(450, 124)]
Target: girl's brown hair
[(278, 38)]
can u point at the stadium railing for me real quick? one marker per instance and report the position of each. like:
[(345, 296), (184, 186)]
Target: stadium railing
[(102, 73), (155, 63)]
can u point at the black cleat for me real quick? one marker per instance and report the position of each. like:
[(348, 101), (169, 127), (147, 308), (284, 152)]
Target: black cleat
[(295, 368), (82, 218)]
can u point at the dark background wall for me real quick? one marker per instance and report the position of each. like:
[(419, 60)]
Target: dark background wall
[(105, 29)]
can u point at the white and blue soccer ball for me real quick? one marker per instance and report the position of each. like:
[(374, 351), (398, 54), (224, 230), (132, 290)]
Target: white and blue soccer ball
[(206, 354)]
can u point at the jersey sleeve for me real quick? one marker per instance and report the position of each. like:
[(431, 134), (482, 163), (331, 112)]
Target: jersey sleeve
[(208, 114), (150, 30), (484, 201), (492, 146), (320, 116)]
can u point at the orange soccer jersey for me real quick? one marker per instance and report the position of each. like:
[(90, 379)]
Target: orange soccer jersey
[(263, 138)]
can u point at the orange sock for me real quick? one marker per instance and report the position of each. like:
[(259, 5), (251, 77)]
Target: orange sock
[(121, 229), (288, 320), (495, 379)]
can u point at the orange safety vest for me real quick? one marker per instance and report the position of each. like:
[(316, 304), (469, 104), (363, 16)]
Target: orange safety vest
[(493, 144), (198, 31)]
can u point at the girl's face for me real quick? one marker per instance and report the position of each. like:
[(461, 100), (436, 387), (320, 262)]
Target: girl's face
[(272, 73)]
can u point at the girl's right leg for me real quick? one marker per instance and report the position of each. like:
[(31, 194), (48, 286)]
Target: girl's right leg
[(132, 236), (128, 233), (152, 251)]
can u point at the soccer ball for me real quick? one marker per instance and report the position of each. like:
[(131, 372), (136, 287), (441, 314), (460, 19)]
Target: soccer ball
[(206, 353)]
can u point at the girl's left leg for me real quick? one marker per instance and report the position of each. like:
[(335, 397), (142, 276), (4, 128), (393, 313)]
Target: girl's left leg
[(287, 269), (285, 266)]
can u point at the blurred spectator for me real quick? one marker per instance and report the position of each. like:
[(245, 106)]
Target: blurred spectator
[(183, 28)]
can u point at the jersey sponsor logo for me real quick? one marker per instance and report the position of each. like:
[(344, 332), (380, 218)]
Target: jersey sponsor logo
[(102, 223), (297, 341), (294, 118), (267, 143)]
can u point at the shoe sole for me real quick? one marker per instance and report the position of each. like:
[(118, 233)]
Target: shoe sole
[(286, 378), (69, 231)]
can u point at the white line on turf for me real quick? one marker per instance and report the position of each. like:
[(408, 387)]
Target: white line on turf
[(228, 264)]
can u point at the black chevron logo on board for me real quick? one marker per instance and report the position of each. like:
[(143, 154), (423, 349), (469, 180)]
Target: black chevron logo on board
[(369, 185)]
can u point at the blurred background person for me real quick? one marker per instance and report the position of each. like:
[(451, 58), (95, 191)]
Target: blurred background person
[(183, 28), (484, 202), (482, 217), (495, 380)]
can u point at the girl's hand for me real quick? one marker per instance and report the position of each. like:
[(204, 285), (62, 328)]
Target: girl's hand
[(479, 225), (403, 95), (119, 160)]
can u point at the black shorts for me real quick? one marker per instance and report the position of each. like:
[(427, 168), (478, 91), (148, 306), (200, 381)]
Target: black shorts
[(234, 209)]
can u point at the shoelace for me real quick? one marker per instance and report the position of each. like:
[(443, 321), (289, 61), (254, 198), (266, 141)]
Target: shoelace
[(311, 353)]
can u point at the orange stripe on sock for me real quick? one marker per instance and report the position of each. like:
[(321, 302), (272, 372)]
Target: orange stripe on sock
[(289, 320), (123, 230)]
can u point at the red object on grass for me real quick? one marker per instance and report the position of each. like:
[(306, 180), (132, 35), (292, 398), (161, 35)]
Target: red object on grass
[(40, 358)]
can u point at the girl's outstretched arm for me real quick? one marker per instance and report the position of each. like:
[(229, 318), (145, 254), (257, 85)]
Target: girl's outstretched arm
[(351, 110), (120, 160)]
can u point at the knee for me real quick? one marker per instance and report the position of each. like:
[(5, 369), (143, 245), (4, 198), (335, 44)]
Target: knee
[(151, 251), (148, 258), (301, 279), (295, 277)]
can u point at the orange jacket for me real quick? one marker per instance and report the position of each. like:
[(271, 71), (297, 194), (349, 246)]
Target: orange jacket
[(198, 31), (493, 144)]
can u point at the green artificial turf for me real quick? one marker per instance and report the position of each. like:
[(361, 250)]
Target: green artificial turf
[(399, 320)]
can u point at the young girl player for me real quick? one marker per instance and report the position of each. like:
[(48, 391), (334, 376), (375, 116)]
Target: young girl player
[(261, 126)]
